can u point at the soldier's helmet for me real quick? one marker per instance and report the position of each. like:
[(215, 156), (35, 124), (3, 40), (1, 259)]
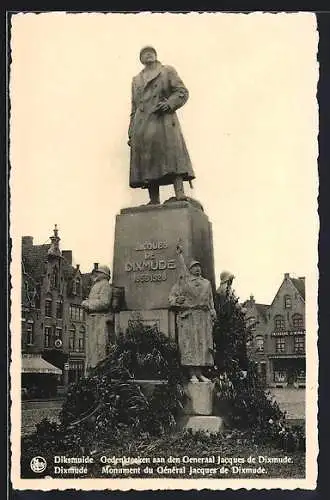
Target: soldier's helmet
[(104, 270), (194, 263), (226, 276), (148, 48)]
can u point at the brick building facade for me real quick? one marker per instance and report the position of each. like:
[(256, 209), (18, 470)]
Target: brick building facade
[(53, 322), (279, 332)]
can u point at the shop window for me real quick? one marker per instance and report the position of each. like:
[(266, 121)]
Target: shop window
[(280, 344), (280, 376), (298, 321), (287, 302), (299, 344), (259, 344), (279, 322)]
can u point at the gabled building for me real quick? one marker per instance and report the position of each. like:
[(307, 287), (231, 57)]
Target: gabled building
[(256, 316), (53, 321), (286, 333), (278, 345)]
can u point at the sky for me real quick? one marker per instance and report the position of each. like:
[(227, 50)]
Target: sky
[(250, 125)]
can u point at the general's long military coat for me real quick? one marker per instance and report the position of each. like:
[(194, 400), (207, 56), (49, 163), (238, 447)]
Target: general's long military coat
[(158, 149)]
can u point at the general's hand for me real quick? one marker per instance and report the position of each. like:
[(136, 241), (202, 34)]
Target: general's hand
[(163, 107), (129, 142)]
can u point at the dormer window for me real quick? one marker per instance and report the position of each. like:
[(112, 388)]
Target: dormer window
[(251, 323), (287, 302)]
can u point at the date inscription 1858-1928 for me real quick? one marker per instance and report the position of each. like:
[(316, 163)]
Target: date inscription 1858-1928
[(150, 267)]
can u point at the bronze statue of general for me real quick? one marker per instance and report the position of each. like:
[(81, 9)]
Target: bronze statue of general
[(159, 154)]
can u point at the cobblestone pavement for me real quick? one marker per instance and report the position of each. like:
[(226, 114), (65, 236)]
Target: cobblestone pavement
[(292, 401), (35, 411)]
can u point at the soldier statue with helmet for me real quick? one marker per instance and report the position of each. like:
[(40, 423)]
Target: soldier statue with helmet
[(191, 297), (100, 316)]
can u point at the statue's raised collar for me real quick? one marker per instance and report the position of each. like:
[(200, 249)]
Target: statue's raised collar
[(145, 77)]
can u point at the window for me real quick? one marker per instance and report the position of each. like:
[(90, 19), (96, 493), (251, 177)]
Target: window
[(81, 339), (76, 286), (37, 297), (259, 344), (58, 333), (280, 344), (251, 323), (297, 321), (48, 307), (299, 344), (30, 333), (47, 336), (279, 322), (54, 279), (59, 309), (280, 376), (76, 313), (287, 302), (72, 338)]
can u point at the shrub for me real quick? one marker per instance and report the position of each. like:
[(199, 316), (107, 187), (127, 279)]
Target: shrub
[(110, 402), (238, 385)]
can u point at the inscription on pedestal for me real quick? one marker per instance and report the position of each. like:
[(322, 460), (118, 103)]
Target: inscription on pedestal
[(145, 259), (150, 264)]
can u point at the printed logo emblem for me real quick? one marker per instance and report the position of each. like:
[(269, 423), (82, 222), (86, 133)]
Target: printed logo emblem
[(38, 464)]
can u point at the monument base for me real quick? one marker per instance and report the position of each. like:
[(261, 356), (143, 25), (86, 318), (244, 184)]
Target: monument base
[(199, 398), (206, 423)]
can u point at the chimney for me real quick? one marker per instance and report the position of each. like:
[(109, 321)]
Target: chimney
[(286, 276), (27, 241), (96, 266), (77, 267), (67, 255), (252, 298), (302, 278)]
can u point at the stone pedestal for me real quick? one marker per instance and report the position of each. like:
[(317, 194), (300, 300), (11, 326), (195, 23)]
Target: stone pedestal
[(199, 408), (199, 398), (145, 259), (210, 424)]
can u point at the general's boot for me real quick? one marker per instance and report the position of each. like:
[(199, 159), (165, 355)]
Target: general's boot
[(178, 188), (154, 194)]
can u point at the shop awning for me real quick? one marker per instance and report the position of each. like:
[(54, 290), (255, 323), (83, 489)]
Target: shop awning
[(36, 364)]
